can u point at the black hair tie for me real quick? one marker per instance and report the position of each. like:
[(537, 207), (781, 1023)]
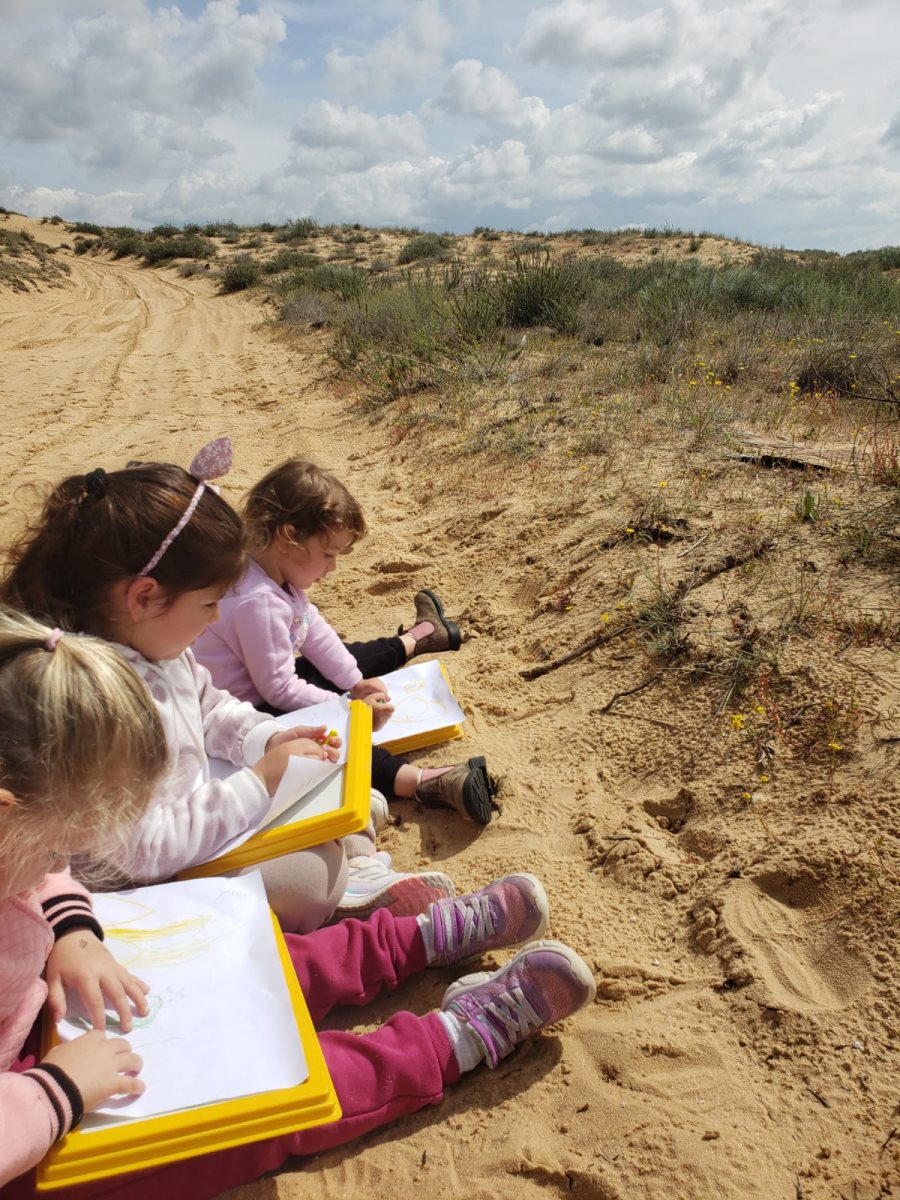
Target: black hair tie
[(95, 483)]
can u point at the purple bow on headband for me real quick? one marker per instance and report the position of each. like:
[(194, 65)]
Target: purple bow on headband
[(209, 463)]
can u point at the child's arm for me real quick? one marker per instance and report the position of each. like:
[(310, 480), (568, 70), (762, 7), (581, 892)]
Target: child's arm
[(79, 960), (325, 650), (259, 633), (39, 1106)]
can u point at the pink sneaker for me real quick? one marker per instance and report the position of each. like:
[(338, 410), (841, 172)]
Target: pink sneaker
[(543, 984), (373, 884), (507, 912)]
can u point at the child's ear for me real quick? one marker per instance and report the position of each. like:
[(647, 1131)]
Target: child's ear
[(7, 799), (285, 538), (142, 598)]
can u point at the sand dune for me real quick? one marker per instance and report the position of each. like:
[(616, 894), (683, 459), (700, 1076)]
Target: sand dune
[(744, 1039)]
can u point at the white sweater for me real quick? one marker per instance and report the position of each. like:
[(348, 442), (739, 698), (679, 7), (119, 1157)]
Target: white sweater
[(191, 817)]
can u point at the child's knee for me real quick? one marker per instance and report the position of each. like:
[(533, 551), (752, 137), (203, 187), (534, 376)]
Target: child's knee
[(304, 888)]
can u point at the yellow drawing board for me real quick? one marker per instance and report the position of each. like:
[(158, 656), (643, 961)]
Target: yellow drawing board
[(349, 817), (82, 1157), (430, 737)]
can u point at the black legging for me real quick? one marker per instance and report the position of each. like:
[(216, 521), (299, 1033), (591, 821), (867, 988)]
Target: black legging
[(378, 657)]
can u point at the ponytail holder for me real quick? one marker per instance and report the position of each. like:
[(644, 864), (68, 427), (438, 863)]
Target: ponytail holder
[(95, 483), (53, 639), (209, 463)]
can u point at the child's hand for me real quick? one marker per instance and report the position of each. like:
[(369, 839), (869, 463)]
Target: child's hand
[(273, 763), (369, 687), (99, 1067), (80, 961), (315, 733), (381, 707)]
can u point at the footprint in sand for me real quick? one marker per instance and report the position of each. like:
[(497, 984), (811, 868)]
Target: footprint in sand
[(796, 953)]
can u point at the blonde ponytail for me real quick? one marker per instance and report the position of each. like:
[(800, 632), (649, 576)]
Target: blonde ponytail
[(81, 743)]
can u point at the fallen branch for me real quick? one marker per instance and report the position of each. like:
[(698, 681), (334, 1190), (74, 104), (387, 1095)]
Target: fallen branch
[(617, 696), (729, 563)]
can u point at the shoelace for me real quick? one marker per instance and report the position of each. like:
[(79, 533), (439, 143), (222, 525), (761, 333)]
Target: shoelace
[(464, 919), (509, 1016)]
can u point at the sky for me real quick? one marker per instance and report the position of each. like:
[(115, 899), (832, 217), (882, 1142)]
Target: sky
[(775, 121)]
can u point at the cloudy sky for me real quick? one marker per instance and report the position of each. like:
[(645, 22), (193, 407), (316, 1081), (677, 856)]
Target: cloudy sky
[(777, 121)]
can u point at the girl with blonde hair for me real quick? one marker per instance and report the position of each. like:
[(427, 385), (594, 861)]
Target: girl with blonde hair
[(81, 747)]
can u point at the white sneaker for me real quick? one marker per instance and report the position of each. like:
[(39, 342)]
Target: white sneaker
[(379, 812), (372, 884)]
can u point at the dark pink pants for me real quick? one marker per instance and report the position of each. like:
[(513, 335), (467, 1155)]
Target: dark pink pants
[(378, 1076)]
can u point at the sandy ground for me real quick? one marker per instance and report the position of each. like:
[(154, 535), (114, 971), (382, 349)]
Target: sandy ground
[(744, 1041)]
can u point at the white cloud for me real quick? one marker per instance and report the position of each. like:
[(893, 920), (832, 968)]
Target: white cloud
[(705, 113), (333, 139), (771, 131), (407, 56), (589, 34), (110, 208), (128, 88), (473, 90)]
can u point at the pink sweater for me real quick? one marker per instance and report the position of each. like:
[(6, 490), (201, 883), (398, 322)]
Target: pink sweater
[(262, 628), (39, 1106)]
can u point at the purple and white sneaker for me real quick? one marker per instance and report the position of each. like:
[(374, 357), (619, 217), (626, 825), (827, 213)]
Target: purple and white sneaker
[(507, 912), (498, 1010)]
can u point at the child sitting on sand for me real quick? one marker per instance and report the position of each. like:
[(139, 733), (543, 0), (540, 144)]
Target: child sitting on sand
[(142, 557), (272, 646), (81, 747)]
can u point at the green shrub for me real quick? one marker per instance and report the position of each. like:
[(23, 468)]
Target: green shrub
[(128, 246), (535, 290), (289, 260), (86, 227), (164, 231), (297, 230), (85, 245), (426, 245), (182, 246), (220, 228), (674, 304), (242, 272), (348, 283)]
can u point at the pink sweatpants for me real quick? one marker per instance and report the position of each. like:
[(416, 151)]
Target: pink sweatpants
[(378, 1076)]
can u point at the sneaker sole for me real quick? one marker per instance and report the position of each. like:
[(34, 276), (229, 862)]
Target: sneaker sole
[(579, 967), (405, 897), (478, 791), (451, 626)]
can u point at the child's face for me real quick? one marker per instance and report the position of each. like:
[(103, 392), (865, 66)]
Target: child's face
[(308, 560), (169, 628)]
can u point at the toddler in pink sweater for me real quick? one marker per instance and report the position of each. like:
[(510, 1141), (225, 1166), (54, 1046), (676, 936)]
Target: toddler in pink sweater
[(272, 646), (81, 747)]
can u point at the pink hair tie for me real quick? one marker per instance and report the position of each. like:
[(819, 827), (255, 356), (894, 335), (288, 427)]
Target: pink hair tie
[(209, 463), (53, 639)]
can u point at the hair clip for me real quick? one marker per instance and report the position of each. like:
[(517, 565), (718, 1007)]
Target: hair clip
[(213, 460)]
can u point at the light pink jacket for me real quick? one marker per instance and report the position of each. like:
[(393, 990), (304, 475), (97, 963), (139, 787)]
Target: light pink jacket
[(191, 816), (37, 1107), (262, 628)]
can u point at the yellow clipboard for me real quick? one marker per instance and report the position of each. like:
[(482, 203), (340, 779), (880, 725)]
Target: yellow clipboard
[(432, 737), (350, 817), (138, 1145)]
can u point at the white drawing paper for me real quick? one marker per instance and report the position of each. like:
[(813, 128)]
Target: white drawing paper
[(221, 1023), (422, 702)]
